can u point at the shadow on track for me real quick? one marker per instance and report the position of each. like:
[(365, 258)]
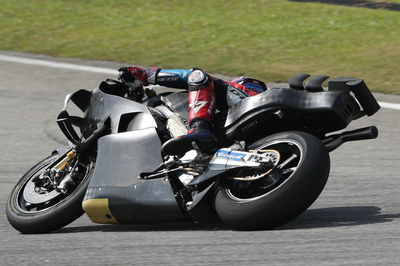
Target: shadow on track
[(313, 218), (177, 226), (338, 217)]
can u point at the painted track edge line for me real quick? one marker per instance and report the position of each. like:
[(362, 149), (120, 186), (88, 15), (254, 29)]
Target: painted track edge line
[(386, 105), (45, 63)]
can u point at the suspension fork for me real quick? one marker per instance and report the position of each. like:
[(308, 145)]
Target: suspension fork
[(65, 160)]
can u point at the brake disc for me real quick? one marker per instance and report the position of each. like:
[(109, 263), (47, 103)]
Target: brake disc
[(33, 196)]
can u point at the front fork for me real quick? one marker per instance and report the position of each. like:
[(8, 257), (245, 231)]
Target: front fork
[(65, 161), (54, 176)]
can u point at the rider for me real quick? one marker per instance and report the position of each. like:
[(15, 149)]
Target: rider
[(206, 93)]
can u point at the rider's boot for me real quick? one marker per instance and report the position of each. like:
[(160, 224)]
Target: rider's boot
[(199, 133), (201, 112)]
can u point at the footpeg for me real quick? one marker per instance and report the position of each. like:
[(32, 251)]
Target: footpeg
[(162, 170), (160, 174)]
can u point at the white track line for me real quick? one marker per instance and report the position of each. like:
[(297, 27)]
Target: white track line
[(394, 106), (45, 63)]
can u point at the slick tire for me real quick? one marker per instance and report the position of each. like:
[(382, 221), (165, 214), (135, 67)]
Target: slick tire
[(51, 218), (290, 198)]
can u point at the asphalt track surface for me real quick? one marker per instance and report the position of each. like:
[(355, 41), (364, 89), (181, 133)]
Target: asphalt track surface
[(355, 221)]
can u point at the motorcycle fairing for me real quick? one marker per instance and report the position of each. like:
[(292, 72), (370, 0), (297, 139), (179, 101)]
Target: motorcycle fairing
[(178, 102), (118, 196), (280, 109), (122, 157), (103, 105), (113, 194), (97, 107), (146, 201), (117, 188)]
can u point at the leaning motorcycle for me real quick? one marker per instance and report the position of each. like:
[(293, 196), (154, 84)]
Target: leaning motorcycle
[(270, 164)]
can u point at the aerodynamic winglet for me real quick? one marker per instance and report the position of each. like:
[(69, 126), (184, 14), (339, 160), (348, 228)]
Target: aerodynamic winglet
[(315, 83), (296, 82)]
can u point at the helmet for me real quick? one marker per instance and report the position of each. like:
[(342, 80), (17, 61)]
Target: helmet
[(252, 84)]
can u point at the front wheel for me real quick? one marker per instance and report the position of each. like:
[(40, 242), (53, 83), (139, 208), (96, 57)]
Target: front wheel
[(37, 204), (274, 197)]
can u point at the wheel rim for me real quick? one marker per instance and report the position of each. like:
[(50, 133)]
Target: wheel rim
[(32, 198), (291, 155)]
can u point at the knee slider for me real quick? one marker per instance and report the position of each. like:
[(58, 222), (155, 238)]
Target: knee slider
[(197, 79)]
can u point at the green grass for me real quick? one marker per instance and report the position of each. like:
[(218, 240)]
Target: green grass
[(271, 40)]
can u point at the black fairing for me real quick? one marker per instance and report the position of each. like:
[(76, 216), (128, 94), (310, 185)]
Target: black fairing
[(143, 202), (134, 143), (178, 102), (279, 109)]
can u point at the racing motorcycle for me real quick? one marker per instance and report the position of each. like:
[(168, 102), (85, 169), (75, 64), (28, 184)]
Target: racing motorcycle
[(270, 164)]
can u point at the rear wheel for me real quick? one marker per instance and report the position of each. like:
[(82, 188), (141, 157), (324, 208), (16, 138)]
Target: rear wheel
[(271, 197), (39, 204)]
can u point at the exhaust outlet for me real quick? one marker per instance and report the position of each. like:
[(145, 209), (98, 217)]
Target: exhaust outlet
[(334, 141)]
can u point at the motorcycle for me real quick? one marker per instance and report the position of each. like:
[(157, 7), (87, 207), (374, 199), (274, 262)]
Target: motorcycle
[(271, 162)]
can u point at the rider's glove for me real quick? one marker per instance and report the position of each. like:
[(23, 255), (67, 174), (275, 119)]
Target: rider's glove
[(132, 74)]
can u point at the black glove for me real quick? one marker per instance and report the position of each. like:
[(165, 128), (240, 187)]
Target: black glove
[(125, 75), (130, 74)]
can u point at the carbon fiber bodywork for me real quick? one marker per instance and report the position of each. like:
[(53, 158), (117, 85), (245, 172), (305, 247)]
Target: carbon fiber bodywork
[(144, 201), (283, 109), (122, 156), (133, 145), (132, 200), (280, 109)]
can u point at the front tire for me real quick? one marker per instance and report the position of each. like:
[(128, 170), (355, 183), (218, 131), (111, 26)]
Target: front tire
[(291, 189), (51, 213)]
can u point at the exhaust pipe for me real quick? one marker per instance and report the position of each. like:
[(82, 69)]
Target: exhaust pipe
[(334, 141)]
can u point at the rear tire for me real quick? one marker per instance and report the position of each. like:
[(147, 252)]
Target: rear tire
[(49, 216), (290, 196)]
